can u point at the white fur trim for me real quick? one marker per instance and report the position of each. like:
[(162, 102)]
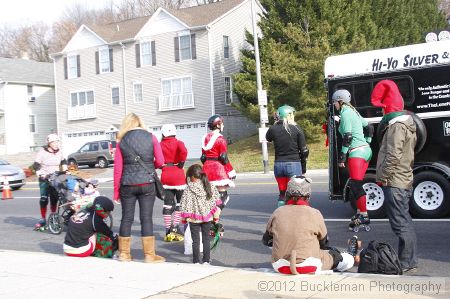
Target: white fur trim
[(232, 173), (399, 118), (221, 183), (181, 187), (347, 262), (211, 142), (311, 261)]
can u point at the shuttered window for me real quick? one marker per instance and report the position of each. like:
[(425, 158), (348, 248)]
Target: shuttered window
[(115, 95), (226, 47), (185, 47), (72, 66), (137, 92), (228, 89)]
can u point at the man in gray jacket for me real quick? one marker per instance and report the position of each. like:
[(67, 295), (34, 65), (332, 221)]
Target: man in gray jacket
[(394, 168)]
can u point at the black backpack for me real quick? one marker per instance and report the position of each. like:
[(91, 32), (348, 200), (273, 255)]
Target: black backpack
[(379, 258)]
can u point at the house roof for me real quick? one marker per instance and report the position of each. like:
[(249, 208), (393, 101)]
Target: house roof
[(26, 71), (204, 14), (120, 31), (191, 16)]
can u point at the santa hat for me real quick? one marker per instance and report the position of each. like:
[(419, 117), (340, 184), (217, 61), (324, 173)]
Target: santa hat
[(387, 96)]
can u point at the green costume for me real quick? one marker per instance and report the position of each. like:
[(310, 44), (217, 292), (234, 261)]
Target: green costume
[(352, 122)]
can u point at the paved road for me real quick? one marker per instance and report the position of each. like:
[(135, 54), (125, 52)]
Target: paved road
[(251, 204)]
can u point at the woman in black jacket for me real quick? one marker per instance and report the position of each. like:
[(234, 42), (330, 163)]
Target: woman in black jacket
[(135, 183), (291, 152)]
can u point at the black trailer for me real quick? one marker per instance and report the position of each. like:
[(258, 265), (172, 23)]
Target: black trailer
[(422, 73)]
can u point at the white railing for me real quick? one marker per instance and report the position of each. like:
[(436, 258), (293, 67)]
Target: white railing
[(81, 112), (175, 102)]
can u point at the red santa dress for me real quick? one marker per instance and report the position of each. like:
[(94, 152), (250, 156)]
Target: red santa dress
[(174, 151), (213, 145)]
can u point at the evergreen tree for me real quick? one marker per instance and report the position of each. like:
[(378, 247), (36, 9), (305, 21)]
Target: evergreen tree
[(298, 35)]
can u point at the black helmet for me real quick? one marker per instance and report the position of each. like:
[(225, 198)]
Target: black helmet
[(214, 121)]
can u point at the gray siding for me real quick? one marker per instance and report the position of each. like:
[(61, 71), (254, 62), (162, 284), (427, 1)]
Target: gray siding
[(150, 76), (233, 26)]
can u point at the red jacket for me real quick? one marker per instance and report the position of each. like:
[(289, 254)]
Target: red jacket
[(213, 145), (174, 151)]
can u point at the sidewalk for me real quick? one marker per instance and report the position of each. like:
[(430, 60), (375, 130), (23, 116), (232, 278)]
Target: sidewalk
[(41, 275)]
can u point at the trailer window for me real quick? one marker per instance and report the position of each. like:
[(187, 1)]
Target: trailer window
[(361, 94)]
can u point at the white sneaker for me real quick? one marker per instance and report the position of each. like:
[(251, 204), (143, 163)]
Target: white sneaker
[(196, 263), (206, 264)]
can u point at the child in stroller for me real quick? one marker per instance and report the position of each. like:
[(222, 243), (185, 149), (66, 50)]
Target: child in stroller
[(74, 194)]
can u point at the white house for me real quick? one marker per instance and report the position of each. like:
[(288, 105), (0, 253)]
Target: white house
[(27, 104), (175, 66)]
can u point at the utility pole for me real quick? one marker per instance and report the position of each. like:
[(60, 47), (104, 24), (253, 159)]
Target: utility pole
[(262, 95)]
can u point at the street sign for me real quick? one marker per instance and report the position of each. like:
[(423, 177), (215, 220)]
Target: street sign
[(262, 134), (262, 97), (264, 115)]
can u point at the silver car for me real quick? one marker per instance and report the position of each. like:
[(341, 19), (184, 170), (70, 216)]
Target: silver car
[(14, 174)]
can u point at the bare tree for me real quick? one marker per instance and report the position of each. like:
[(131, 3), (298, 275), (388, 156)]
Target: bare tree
[(39, 40)]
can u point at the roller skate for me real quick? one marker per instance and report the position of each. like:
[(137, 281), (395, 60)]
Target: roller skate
[(216, 229), (357, 221), (216, 232), (354, 246), (41, 225), (173, 235)]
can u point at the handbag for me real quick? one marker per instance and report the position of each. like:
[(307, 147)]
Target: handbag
[(160, 193)]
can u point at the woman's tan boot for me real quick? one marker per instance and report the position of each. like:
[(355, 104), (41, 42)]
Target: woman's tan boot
[(125, 249), (148, 243)]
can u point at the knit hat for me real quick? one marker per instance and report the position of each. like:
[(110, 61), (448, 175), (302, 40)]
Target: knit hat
[(102, 205), (299, 186), (387, 96)]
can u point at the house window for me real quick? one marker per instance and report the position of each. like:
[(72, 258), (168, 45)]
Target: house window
[(137, 92), (226, 47), (185, 47), (72, 66), (32, 123), (104, 61), (115, 95), (82, 105), (146, 53), (176, 94), (228, 93)]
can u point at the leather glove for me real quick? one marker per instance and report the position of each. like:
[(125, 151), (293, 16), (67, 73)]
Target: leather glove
[(181, 164), (342, 158)]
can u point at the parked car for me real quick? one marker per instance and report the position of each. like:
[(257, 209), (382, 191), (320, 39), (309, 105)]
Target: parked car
[(14, 174), (95, 152)]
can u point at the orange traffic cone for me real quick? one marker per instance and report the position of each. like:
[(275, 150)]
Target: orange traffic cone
[(7, 193)]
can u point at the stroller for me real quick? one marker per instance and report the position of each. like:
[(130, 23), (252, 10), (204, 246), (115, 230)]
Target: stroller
[(74, 194)]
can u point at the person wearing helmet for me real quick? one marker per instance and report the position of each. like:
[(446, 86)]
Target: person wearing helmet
[(215, 160), (48, 160), (356, 135), (291, 152), (88, 234), (298, 235), (173, 180)]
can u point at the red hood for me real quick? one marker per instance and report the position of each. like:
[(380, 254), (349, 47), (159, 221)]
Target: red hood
[(387, 96)]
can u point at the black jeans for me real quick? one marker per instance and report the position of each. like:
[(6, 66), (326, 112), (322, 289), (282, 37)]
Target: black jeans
[(195, 234), (397, 208), (145, 195)]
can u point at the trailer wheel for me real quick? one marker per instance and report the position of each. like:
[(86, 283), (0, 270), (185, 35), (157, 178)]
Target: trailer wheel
[(431, 195), (421, 132), (374, 197)]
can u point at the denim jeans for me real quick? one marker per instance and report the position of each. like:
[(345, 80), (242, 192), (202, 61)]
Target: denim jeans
[(195, 234), (145, 195), (287, 169), (397, 208)]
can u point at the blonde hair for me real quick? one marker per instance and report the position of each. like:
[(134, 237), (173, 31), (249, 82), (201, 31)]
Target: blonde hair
[(129, 122), (288, 121)]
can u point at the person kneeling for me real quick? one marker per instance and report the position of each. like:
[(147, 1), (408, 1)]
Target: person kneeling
[(87, 232), (298, 235)]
